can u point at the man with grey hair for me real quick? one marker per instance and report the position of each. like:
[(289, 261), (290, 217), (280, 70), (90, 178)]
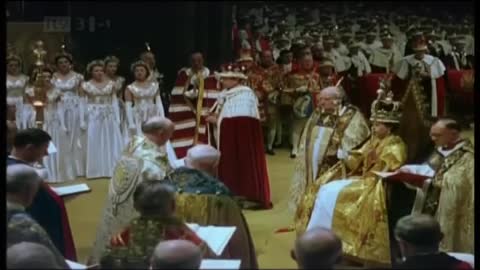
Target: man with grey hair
[(28, 255), (147, 157), (317, 248), (176, 254), (449, 193), (332, 130), (203, 157), (419, 238), (23, 183), (199, 195)]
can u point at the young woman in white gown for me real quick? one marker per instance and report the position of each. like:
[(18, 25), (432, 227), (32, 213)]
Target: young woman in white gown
[(23, 114), (72, 147), (111, 67), (54, 124), (104, 139), (142, 99)]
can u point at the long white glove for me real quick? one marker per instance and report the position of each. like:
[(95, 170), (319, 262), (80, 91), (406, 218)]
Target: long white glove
[(61, 115), (159, 104), (116, 109), (302, 89), (191, 93), (83, 105), (128, 109), (341, 154)]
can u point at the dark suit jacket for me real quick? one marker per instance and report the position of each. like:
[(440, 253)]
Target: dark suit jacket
[(47, 211), (434, 261)]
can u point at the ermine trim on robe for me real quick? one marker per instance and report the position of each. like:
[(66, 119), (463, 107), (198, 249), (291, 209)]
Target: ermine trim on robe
[(436, 70)]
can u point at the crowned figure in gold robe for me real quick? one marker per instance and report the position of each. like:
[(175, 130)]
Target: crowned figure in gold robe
[(354, 205), (331, 130), (448, 195)]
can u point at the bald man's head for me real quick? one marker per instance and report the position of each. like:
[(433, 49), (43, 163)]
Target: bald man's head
[(203, 157), (329, 98), (445, 132), (317, 248), (26, 255), (176, 254), (158, 129), (23, 182)]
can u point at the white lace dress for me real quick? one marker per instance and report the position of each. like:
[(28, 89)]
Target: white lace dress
[(59, 165), (24, 112), (119, 83), (104, 139), (146, 103), (73, 139)]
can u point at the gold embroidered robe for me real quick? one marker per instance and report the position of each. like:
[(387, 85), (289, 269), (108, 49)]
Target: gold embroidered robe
[(449, 197), (360, 214), (141, 160), (322, 136)]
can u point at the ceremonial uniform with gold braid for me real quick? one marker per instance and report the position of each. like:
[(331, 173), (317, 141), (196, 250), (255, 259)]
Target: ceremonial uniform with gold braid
[(268, 83), (303, 101)]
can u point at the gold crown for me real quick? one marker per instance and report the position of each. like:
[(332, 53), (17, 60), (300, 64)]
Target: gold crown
[(63, 53), (233, 71), (384, 109)]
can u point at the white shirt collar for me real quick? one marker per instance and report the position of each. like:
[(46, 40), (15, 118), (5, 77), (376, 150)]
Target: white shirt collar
[(446, 153)]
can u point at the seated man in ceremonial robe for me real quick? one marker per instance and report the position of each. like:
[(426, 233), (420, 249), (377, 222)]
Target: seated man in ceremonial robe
[(354, 206), (203, 199), (134, 245), (144, 158), (333, 127)]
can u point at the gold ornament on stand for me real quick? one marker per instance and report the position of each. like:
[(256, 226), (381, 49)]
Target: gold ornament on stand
[(39, 84), (39, 53)]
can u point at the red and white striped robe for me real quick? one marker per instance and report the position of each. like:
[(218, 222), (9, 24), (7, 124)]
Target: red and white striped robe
[(184, 117)]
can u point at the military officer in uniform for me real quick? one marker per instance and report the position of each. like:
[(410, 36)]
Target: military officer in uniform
[(268, 76), (302, 85)]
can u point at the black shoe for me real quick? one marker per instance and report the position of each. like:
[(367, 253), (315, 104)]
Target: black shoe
[(270, 152), (293, 156)]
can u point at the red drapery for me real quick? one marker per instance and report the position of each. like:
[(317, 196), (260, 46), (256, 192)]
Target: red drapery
[(243, 167), (67, 233)]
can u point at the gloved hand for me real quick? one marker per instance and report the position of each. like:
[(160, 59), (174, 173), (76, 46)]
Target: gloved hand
[(302, 89), (191, 93), (341, 154)]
